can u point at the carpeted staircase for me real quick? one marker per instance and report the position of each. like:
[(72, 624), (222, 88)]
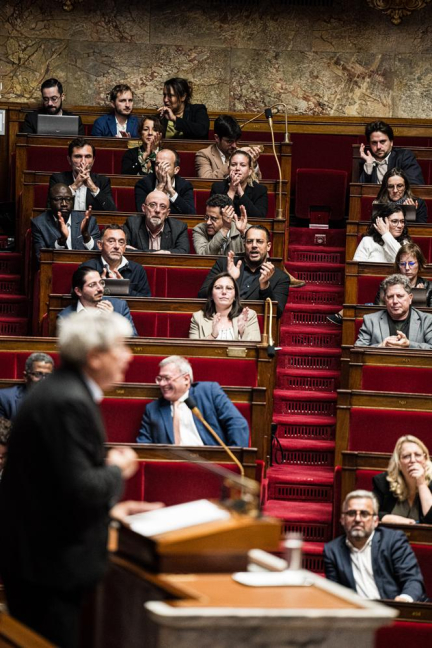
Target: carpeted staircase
[(13, 303), (300, 482)]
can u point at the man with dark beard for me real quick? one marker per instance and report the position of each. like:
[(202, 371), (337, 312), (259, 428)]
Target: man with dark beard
[(52, 104)]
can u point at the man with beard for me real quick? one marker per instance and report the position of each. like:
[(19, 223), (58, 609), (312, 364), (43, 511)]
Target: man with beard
[(61, 228), (112, 263), (255, 274), (89, 189), (121, 122), (222, 231), (155, 232), (376, 562), (52, 100), (88, 293)]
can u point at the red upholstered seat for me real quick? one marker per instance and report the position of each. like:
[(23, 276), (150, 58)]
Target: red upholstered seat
[(47, 158), (367, 288), (424, 556), (12, 363), (377, 430), (134, 487), (366, 207), (415, 380), (124, 198), (40, 196), (321, 191), (122, 418), (404, 633), (164, 325)]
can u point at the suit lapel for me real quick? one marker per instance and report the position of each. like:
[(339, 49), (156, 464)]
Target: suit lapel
[(76, 237), (112, 125), (346, 564), (143, 235), (384, 325), (167, 419), (414, 327)]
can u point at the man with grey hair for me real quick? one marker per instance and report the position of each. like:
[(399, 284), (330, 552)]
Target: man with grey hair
[(169, 419), (58, 484), (376, 562), (399, 326), (37, 367)]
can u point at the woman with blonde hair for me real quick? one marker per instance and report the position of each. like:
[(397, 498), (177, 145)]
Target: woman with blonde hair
[(404, 491)]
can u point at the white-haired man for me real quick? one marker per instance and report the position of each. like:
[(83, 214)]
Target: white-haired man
[(58, 485)]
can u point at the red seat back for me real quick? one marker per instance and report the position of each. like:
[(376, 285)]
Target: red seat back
[(321, 189), (377, 430)]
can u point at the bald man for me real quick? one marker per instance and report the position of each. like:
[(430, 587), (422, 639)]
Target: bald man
[(154, 231)]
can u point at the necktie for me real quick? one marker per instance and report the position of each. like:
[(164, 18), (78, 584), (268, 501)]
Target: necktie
[(176, 422)]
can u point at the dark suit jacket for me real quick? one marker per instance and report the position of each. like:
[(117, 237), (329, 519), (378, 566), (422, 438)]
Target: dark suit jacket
[(131, 165), (183, 204), (278, 289), (387, 500), (194, 124), (215, 406), (254, 199), (402, 159), (136, 274), (102, 202), (45, 231), (30, 122), (174, 235), (56, 490), (105, 126), (10, 400), (395, 566), (120, 307)]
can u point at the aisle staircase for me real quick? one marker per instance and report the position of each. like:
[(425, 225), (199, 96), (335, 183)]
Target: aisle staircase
[(13, 303), (300, 486)]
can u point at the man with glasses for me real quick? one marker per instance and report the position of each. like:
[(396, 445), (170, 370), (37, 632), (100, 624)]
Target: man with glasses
[(170, 421), (222, 230), (375, 562), (62, 228), (37, 367), (166, 178), (88, 292), (155, 232), (399, 326), (52, 104)]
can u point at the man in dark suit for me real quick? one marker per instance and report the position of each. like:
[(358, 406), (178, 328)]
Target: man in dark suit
[(155, 232), (121, 122), (5, 428), (112, 264), (380, 156), (52, 104), (61, 228), (169, 419), (376, 562), (255, 274), (37, 367), (399, 326), (89, 189), (166, 179), (59, 485)]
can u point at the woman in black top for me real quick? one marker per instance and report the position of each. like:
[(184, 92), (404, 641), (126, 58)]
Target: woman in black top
[(395, 188), (140, 160), (180, 118), (241, 187)]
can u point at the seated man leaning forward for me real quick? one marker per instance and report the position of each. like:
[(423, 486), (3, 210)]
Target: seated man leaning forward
[(37, 367), (88, 292), (222, 231), (154, 231), (375, 562), (61, 228), (166, 178), (52, 104), (88, 189), (112, 264), (169, 420), (255, 274), (399, 326)]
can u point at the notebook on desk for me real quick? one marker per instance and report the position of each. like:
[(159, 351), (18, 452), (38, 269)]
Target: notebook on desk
[(57, 124)]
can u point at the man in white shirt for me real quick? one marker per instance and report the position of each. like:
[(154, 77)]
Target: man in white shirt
[(376, 562), (120, 122), (170, 421)]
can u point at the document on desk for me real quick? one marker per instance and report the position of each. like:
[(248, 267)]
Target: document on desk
[(176, 517)]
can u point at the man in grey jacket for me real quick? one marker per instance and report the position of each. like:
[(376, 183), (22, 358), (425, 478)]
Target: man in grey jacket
[(222, 231), (400, 326)]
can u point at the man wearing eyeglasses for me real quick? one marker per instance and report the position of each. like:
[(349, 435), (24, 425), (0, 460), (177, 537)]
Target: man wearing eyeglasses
[(222, 231), (155, 232), (37, 367), (399, 326), (62, 228), (170, 421), (52, 104), (375, 562)]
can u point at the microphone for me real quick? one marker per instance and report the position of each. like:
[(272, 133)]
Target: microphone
[(190, 402), (269, 112)]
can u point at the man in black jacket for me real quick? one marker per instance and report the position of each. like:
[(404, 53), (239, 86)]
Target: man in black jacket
[(89, 189), (52, 104), (155, 232), (112, 263), (380, 156), (166, 179)]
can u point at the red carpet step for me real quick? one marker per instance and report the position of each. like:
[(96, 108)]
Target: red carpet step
[(295, 403), (10, 284), (328, 274), (10, 263), (316, 254), (304, 452), (307, 236), (307, 315), (317, 294), (307, 380), (292, 482), (14, 305), (313, 358), (320, 336), (313, 521)]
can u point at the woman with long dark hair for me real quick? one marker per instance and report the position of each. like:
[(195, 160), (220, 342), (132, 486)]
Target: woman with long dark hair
[(181, 118), (387, 232), (396, 188)]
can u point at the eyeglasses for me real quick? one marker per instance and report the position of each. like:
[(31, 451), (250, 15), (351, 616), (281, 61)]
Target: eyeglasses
[(410, 264), (227, 288), (154, 205), (165, 380), (93, 284), (365, 515), (397, 222), (47, 100), (39, 375), (213, 219), (67, 199), (418, 456)]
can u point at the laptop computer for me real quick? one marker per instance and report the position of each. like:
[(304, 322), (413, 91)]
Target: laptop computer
[(57, 124), (419, 297), (117, 287), (410, 211)]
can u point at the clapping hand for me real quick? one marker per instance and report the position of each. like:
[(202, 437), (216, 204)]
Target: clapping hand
[(232, 268), (242, 321), (85, 225), (241, 221), (267, 271)]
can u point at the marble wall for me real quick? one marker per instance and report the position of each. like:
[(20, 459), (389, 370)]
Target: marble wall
[(347, 59)]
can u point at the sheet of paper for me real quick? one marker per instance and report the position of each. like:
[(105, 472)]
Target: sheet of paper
[(285, 578), (176, 517)]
